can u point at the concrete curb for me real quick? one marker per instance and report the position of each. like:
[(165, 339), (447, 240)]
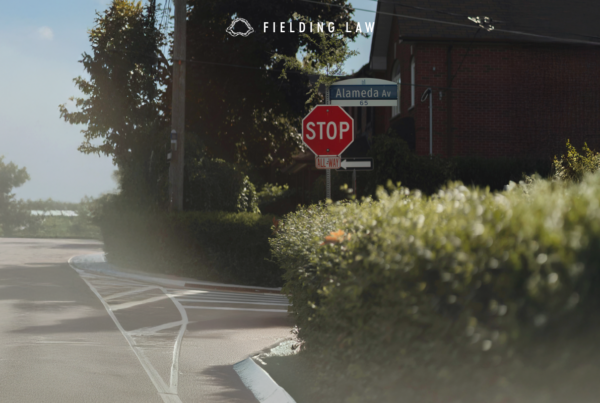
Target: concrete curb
[(97, 263), (260, 383)]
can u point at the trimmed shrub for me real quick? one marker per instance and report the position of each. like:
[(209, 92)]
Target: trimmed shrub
[(496, 173), (393, 160), (447, 290), (340, 182), (217, 246)]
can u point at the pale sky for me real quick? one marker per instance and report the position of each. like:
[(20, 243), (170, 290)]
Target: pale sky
[(41, 43)]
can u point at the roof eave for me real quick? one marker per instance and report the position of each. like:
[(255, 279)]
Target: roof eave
[(381, 36)]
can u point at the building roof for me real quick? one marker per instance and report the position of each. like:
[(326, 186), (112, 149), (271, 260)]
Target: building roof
[(54, 213), (537, 21)]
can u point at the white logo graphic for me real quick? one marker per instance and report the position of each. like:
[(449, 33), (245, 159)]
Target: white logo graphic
[(231, 32)]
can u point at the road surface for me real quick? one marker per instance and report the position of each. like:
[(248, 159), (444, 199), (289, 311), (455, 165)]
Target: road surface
[(69, 335)]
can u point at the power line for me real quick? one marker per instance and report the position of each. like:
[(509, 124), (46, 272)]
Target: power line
[(495, 20), (564, 40), (206, 62), (464, 57)]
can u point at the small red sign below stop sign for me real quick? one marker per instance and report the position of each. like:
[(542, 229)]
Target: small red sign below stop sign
[(327, 130)]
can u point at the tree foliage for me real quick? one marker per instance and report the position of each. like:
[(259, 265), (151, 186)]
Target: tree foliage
[(238, 101), (12, 213), (245, 97), (123, 107)]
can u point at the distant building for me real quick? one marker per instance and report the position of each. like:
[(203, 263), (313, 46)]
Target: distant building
[(54, 213)]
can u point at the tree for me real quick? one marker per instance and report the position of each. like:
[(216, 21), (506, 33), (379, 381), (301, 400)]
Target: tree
[(12, 213), (238, 102), (123, 104), (239, 105)]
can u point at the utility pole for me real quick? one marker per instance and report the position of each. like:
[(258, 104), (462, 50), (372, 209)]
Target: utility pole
[(178, 108)]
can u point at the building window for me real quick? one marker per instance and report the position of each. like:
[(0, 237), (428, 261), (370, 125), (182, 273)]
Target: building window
[(413, 81), (396, 79)]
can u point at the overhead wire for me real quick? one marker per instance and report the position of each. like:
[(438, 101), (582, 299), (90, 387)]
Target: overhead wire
[(563, 40), (193, 61), (494, 20)]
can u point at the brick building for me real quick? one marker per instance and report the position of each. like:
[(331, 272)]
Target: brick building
[(495, 93)]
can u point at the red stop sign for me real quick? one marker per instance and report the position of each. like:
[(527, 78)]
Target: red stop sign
[(327, 130)]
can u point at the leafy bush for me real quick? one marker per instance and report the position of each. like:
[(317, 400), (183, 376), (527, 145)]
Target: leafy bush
[(393, 160), (276, 199), (12, 212), (340, 182), (215, 185), (437, 286), (496, 173), (572, 166), (218, 246)]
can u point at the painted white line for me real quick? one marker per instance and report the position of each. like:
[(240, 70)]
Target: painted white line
[(222, 298), (233, 298), (131, 304), (264, 388), (98, 264), (130, 292), (230, 296), (164, 391), (234, 309), (177, 349), (147, 331), (240, 293), (120, 284), (230, 302)]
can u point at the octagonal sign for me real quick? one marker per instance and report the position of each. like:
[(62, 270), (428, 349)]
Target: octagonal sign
[(327, 130)]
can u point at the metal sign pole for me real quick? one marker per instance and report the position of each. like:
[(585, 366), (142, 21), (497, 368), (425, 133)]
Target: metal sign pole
[(429, 93), (354, 181), (430, 122), (328, 171)]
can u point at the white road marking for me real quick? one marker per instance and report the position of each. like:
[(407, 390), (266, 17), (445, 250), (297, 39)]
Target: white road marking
[(147, 331), (230, 296), (229, 302), (109, 284), (131, 304), (177, 349), (131, 292), (240, 293), (234, 309), (168, 393), (233, 298)]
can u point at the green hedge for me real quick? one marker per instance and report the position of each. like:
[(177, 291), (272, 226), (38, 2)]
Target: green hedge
[(442, 291), (495, 173), (217, 246), (393, 160)]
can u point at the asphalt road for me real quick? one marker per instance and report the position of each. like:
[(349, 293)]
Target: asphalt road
[(68, 335)]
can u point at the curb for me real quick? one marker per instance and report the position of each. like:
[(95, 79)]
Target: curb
[(260, 383), (96, 262)]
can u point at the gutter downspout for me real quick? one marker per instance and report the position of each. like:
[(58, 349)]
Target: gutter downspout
[(449, 129)]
